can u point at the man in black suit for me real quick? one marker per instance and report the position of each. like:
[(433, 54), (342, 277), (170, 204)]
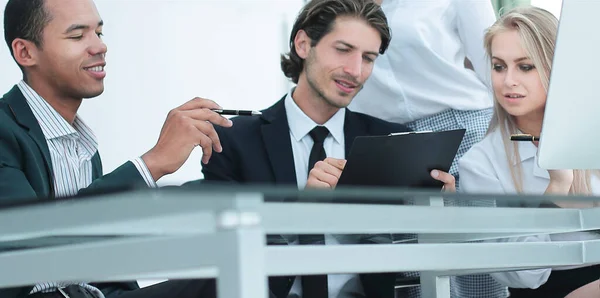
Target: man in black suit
[(333, 47)]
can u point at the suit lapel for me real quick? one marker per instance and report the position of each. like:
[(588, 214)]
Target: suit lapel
[(96, 166), (25, 118), (276, 137), (353, 127)]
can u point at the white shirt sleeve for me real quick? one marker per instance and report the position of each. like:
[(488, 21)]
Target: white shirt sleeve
[(477, 176), (140, 165), (531, 279), (473, 18)]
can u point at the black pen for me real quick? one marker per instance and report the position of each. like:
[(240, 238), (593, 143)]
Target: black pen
[(237, 112), (524, 137)]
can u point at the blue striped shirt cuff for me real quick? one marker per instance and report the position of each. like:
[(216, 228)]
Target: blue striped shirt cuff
[(140, 165)]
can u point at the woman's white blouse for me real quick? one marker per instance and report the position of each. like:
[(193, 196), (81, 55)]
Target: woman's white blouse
[(484, 169)]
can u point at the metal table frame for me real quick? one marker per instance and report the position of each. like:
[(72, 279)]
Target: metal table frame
[(183, 234)]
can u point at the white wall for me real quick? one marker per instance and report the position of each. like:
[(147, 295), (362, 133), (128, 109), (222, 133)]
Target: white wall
[(553, 6), (162, 53)]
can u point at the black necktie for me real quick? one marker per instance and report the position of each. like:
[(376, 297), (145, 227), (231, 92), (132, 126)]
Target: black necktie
[(315, 286), (318, 134)]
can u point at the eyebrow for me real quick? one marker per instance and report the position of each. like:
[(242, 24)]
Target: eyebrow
[(516, 60), (80, 27), (353, 47)]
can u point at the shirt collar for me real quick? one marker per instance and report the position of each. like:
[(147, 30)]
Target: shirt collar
[(300, 124), (527, 150), (53, 125)]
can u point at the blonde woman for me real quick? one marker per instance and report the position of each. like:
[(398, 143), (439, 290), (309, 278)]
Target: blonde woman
[(521, 46)]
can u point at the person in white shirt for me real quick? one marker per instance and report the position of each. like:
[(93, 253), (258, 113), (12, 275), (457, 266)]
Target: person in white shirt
[(521, 47), (422, 82)]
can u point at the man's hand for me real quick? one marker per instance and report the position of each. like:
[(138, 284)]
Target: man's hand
[(326, 173), (448, 180), (186, 127)]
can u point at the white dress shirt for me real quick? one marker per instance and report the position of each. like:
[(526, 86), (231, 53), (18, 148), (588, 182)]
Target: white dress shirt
[(71, 151), (485, 169), (422, 73), (340, 285)]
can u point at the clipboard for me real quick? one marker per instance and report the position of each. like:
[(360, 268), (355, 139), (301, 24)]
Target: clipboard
[(401, 159)]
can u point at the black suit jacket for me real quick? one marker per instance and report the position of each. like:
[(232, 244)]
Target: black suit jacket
[(258, 150), (26, 170)]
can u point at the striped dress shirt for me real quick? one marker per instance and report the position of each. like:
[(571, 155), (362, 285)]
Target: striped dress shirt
[(71, 150)]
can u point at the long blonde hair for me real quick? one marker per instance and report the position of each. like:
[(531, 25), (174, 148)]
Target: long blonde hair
[(537, 29)]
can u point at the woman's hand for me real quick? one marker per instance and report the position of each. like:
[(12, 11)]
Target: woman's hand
[(560, 182)]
